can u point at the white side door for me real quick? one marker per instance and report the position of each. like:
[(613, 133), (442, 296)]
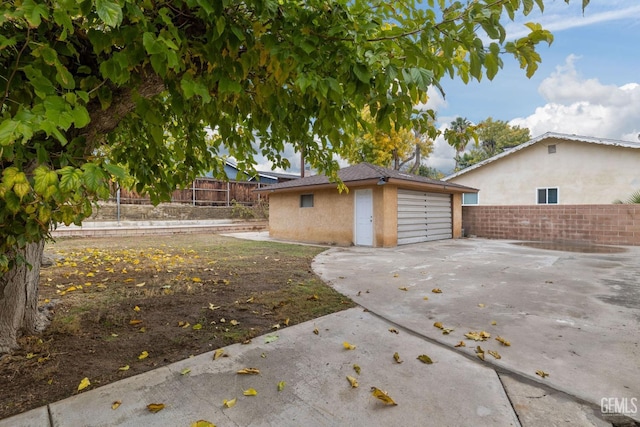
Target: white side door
[(364, 217)]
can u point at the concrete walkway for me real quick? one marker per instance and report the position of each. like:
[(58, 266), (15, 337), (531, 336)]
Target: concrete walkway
[(574, 316)]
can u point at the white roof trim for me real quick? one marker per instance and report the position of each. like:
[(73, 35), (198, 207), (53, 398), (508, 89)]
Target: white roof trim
[(548, 135)]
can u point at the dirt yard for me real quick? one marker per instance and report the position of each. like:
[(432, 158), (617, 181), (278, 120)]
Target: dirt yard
[(123, 306)]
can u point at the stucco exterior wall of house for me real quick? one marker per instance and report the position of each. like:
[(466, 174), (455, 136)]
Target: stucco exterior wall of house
[(385, 211), (456, 212), (329, 221), (584, 173)]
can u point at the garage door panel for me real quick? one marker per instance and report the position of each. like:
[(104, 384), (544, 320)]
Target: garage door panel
[(423, 217)]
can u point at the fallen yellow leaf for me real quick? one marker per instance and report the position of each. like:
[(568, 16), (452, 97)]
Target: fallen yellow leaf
[(481, 305), (229, 403), (460, 344), (348, 346), (250, 392), (493, 322), (541, 373), (425, 359), (124, 368), (495, 354), (134, 322), (136, 308), (197, 327), (234, 323), (155, 407), (185, 371), (202, 423), (84, 384), (352, 381), (436, 291), (143, 355), (438, 325), (503, 341), (115, 405), (382, 396), (281, 385), (313, 297), (316, 331), (196, 279), (138, 284), (394, 331), (480, 352), (249, 371), (357, 369), (396, 357), (425, 298), (403, 288), (218, 353)]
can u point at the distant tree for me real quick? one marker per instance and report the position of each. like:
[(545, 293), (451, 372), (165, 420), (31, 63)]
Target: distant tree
[(393, 148), (429, 172), (495, 136), (458, 135)]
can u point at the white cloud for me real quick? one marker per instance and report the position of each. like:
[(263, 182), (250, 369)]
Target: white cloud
[(585, 106)]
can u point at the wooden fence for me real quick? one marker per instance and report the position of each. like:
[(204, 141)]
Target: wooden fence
[(202, 192)]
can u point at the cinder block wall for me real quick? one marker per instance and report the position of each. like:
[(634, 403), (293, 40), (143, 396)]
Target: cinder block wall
[(602, 224)]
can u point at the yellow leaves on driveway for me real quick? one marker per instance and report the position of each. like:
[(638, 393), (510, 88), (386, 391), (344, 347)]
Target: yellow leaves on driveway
[(382, 396), (352, 381), (155, 407), (425, 359), (542, 374), (503, 341), (348, 346), (249, 371), (250, 392)]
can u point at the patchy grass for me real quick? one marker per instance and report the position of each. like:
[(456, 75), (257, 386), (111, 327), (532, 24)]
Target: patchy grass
[(172, 296)]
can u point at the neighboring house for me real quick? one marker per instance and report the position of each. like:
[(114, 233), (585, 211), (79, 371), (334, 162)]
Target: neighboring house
[(382, 208), (231, 170), (554, 169)]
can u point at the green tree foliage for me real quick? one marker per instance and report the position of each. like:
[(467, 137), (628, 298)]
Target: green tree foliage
[(146, 78), (392, 148), (495, 136), (458, 135)]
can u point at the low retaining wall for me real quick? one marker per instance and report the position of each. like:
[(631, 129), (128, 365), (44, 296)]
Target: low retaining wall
[(164, 211), (617, 224)]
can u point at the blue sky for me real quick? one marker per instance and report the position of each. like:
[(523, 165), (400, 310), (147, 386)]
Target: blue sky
[(588, 83)]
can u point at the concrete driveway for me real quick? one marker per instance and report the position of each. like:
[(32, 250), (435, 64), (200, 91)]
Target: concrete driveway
[(573, 315)]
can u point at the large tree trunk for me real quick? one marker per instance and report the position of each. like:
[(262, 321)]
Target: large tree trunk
[(19, 298)]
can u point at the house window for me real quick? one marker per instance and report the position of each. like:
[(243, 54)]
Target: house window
[(469, 199), (306, 200), (547, 196), (551, 149)]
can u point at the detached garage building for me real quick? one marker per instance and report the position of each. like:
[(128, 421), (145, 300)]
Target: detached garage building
[(382, 208)]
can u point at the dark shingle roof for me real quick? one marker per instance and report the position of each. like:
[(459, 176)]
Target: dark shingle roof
[(363, 172)]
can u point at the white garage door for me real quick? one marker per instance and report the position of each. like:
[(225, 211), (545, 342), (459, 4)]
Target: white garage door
[(423, 217)]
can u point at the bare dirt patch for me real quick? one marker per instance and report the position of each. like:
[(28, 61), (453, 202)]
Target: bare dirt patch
[(169, 296)]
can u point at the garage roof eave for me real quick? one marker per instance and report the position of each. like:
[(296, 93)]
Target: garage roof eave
[(443, 187)]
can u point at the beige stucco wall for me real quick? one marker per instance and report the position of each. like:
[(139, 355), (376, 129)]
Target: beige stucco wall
[(456, 212), (584, 173), (331, 219)]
